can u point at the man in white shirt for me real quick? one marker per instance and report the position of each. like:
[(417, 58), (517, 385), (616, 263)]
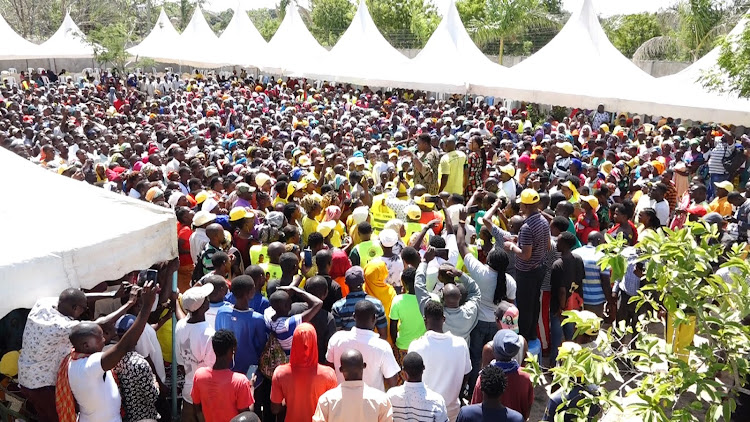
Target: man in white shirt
[(353, 400), (193, 338), (413, 401), (85, 377), (199, 239), (377, 352), (446, 358)]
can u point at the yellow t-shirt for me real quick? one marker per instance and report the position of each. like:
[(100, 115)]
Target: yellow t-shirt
[(452, 164), (279, 200), (309, 225)]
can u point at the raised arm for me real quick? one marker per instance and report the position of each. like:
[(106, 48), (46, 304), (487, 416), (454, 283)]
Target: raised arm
[(420, 280), (128, 341), (314, 304), (463, 248)]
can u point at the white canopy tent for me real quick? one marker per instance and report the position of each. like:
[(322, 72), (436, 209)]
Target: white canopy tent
[(292, 46), (67, 43), (241, 43), (361, 56), (158, 43), (198, 45), (691, 75), (94, 237), (450, 59), (15, 46), (617, 83)]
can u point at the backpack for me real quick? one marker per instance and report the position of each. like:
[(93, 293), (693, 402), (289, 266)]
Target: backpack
[(733, 162), (198, 269), (272, 356)]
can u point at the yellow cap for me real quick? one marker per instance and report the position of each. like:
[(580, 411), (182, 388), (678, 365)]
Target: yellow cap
[(9, 364), (566, 146), (413, 212), (420, 200), (291, 188), (529, 197), (509, 170), (591, 200), (239, 213), (325, 228), (726, 185), (201, 196)]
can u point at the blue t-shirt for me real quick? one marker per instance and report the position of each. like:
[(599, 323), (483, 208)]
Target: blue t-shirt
[(249, 328), (480, 413), (258, 303), (284, 328)]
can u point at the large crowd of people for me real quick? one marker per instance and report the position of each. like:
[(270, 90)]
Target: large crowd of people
[(348, 254)]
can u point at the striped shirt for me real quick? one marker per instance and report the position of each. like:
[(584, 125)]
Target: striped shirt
[(630, 283), (415, 402), (284, 328), (534, 232), (593, 294), (716, 158), (343, 311)]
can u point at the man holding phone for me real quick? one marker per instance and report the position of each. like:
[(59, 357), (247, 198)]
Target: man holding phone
[(426, 163)]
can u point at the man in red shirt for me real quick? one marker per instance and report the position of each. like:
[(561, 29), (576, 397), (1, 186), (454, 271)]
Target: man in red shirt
[(519, 395), (185, 272), (302, 381), (219, 393)]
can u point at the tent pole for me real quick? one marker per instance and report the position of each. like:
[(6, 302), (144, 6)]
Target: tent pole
[(174, 354)]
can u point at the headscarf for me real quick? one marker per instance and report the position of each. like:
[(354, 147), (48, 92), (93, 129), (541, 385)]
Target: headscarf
[(333, 213), (574, 198), (338, 181), (304, 353), (375, 274), (339, 265)]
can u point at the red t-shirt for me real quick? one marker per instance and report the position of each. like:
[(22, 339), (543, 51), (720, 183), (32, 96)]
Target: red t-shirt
[(585, 226), (221, 393), (183, 244), (301, 389), (519, 395)]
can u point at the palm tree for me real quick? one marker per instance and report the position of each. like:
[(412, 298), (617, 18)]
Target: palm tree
[(506, 19), (692, 27)]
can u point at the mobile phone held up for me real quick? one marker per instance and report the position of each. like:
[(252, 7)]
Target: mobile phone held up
[(308, 257), (442, 253)]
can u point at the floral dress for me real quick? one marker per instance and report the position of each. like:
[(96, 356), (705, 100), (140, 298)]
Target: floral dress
[(475, 173)]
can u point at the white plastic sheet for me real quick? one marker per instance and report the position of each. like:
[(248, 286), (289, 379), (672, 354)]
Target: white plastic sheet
[(61, 233)]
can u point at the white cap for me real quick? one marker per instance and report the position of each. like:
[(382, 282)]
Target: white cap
[(203, 217), (194, 297), (388, 238)]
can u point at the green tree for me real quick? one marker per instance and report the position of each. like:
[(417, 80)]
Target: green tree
[(732, 71), (650, 378), (629, 32), (109, 44), (330, 18), (507, 20), (404, 23), (691, 30), (219, 21), (267, 21)]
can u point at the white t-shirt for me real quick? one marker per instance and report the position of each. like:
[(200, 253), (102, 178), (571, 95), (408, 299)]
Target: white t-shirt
[(486, 279), (377, 353), (446, 360), (94, 389), (148, 346), (194, 350)]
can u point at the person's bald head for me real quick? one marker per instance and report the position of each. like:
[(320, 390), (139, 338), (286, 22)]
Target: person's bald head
[(246, 417), (87, 337), (451, 295), (365, 315), (352, 365), (72, 303), (275, 250), (215, 233)]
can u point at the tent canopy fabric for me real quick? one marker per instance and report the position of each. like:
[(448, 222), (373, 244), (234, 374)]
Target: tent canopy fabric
[(159, 41), (198, 44), (15, 46), (617, 83), (241, 43), (361, 56), (94, 236), (691, 75), (292, 46), (67, 43), (450, 59)]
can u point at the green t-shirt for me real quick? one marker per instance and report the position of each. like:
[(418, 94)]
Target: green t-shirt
[(405, 309)]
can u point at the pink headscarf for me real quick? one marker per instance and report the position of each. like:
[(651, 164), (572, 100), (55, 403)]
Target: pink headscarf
[(333, 213)]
